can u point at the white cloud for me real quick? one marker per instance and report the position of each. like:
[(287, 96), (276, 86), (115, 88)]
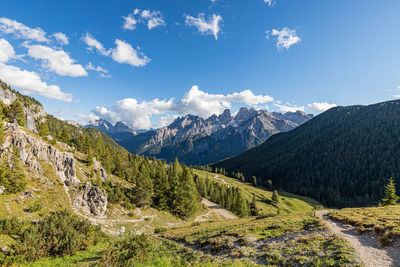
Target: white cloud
[(321, 106), (166, 120), (134, 114), (151, 18), (285, 38), (84, 118), (289, 108), (57, 61), (61, 38), (269, 2), (396, 96), (125, 53), (204, 104), (129, 22), (29, 82), (92, 43), (20, 30), (103, 72), (138, 114), (98, 68), (210, 27), (6, 51)]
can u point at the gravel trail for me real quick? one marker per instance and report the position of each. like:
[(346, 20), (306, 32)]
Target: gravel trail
[(366, 246)]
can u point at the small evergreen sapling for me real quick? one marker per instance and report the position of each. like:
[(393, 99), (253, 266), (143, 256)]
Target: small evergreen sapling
[(390, 197)]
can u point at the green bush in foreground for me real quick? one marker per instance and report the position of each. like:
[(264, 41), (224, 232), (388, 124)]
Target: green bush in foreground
[(141, 250), (61, 233)]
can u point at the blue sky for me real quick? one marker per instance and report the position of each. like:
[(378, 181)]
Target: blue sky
[(199, 56)]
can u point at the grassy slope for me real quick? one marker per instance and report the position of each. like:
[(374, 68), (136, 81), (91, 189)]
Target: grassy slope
[(289, 202), (384, 221)]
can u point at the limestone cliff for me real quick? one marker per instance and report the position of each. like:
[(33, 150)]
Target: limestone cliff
[(32, 150)]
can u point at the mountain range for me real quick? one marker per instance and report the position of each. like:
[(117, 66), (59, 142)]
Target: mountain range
[(342, 157), (197, 141)]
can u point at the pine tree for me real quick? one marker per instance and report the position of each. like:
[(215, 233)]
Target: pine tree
[(1, 131), (241, 207), (64, 135), (44, 129), (186, 195), (269, 183), (390, 197), (275, 197), (254, 180), (253, 207), (144, 188), (17, 113)]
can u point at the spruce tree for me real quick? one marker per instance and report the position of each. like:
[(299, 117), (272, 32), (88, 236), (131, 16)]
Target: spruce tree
[(44, 129), (17, 113), (186, 195), (1, 131), (253, 207), (275, 197), (144, 188), (254, 180), (390, 197), (241, 207)]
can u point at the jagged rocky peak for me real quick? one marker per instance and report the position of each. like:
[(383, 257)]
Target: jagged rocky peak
[(108, 128), (245, 114), (298, 117)]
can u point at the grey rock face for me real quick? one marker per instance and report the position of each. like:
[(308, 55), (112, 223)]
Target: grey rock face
[(32, 149), (33, 113), (93, 199), (99, 170)]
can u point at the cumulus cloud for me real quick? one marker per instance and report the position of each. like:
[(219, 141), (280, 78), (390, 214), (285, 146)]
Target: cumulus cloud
[(125, 53), (204, 104), (61, 38), (122, 53), (138, 114), (321, 106), (285, 38), (166, 120), (20, 30), (289, 108), (209, 27), (29, 82), (6, 51), (57, 61), (151, 18), (93, 44)]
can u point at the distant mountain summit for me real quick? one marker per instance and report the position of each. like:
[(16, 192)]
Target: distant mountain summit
[(194, 140), (108, 128)]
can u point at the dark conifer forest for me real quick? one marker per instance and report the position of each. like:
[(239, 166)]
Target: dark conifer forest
[(342, 157)]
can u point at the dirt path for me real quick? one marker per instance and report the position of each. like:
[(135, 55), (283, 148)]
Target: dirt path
[(214, 208), (366, 246)]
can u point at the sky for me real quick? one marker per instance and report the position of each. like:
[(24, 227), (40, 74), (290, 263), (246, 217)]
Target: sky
[(147, 62)]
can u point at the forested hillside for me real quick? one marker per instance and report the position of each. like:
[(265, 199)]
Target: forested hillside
[(342, 157)]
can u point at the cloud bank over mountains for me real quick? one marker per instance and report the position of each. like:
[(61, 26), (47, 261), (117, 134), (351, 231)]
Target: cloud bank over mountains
[(138, 115)]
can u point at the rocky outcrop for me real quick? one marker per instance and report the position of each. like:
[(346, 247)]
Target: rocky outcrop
[(34, 111), (100, 171), (32, 149), (92, 200)]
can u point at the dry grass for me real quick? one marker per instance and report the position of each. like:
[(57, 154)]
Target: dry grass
[(383, 221)]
